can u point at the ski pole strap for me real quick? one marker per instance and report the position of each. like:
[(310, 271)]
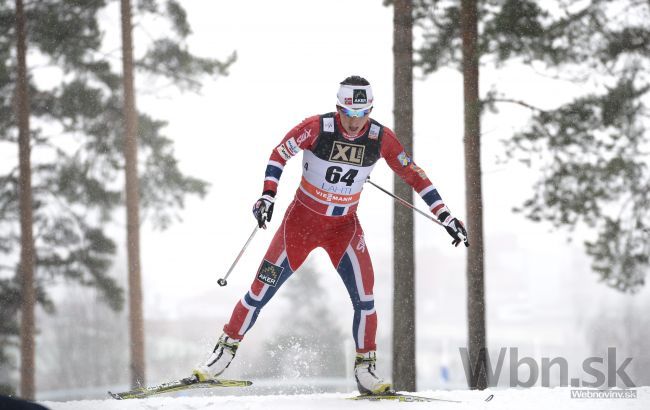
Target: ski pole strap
[(405, 202)]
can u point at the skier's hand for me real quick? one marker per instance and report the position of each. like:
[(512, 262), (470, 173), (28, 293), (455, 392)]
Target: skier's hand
[(263, 210), (455, 228)]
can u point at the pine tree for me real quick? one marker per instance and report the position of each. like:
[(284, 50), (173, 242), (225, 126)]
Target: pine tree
[(132, 196), (593, 149), (76, 103), (466, 22), (26, 266), (474, 192), (404, 372)]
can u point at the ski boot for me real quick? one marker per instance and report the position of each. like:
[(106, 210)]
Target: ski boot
[(219, 359), (364, 373)]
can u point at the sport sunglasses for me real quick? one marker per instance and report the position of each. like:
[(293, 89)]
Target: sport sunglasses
[(349, 112)]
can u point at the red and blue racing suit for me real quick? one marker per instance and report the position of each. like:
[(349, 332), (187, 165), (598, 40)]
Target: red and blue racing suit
[(323, 214)]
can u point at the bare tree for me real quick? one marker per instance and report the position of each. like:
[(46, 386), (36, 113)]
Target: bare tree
[(28, 290), (132, 202), (403, 253), (473, 193)]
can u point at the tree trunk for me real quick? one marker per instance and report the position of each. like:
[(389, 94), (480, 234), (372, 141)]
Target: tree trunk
[(403, 254), (136, 323), (27, 252), (474, 196)]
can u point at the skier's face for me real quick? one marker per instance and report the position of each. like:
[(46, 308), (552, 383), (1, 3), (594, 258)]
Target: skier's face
[(353, 124)]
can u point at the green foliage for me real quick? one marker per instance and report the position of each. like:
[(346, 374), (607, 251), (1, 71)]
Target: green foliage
[(163, 187), (172, 60), (593, 150), (78, 162), (169, 57), (65, 31), (178, 17)]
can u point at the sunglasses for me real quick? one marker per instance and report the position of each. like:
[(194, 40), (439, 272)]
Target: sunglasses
[(349, 112)]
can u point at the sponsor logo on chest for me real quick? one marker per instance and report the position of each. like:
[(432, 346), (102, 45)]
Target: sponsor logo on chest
[(374, 132), (328, 124), (347, 153)]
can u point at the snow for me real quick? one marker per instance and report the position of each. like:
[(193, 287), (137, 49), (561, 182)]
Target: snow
[(529, 399)]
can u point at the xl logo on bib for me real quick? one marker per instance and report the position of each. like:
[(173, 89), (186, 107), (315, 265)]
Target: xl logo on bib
[(269, 273), (347, 153)]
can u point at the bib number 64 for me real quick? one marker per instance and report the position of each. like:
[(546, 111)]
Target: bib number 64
[(334, 175)]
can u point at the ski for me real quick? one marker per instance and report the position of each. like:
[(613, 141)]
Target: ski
[(398, 397), (391, 395), (178, 385)]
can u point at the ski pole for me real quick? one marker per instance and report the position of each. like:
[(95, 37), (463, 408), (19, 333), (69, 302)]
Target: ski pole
[(222, 281), (409, 205)]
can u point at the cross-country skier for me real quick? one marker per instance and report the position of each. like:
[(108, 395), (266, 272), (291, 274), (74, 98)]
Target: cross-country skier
[(340, 150)]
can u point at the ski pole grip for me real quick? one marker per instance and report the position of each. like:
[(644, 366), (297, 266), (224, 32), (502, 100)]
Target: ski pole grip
[(465, 240)]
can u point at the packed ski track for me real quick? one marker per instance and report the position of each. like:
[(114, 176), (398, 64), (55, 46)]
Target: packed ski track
[(504, 399)]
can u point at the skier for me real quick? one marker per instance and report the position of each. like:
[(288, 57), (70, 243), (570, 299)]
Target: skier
[(340, 150)]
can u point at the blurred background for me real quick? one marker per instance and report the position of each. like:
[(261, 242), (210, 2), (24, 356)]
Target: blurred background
[(281, 62)]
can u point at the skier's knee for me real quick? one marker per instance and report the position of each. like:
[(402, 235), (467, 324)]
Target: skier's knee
[(363, 305)]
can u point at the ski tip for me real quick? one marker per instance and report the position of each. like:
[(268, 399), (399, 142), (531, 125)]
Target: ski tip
[(490, 397), (114, 395)]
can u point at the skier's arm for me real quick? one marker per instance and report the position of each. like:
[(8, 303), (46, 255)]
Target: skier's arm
[(402, 164), (300, 137)]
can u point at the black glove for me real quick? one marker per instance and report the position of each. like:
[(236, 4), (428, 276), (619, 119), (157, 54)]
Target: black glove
[(455, 228), (263, 210)]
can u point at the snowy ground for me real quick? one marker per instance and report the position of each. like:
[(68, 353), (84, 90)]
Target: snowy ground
[(535, 398)]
